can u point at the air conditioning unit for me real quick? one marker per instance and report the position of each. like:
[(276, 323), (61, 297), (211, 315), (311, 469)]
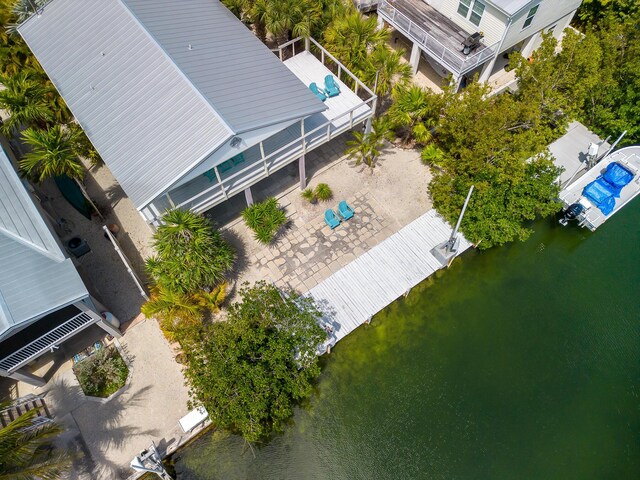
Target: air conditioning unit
[(77, 247)]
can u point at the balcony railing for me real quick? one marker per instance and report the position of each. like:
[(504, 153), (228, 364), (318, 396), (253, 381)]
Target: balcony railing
[(268, 162), (452, 60)]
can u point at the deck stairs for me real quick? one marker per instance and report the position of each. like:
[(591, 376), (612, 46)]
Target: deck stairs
[(22, 405)]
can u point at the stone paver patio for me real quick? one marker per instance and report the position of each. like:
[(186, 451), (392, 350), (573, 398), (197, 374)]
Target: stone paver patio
[(311, 252)]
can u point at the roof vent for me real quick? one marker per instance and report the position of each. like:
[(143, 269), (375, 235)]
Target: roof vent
[(190, 47)]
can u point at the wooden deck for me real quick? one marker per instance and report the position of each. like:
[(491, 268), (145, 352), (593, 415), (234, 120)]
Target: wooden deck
[(438, 36), (352, 295)]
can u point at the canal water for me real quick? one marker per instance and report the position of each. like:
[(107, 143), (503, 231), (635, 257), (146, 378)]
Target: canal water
[(522, 362)]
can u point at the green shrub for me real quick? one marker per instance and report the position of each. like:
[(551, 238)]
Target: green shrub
[(431, 155), (265, 219), (309, 195), (323, 192), (103, 373)]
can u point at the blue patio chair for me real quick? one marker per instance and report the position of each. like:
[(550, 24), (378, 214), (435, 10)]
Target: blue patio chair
[(317, 91), (331, 219), (345, 210), (331, 88)]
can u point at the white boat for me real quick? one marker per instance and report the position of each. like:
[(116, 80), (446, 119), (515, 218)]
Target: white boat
[(603, 190)]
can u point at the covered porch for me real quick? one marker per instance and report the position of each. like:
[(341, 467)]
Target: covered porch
[(310, 62), (441, 40), (45, 336)]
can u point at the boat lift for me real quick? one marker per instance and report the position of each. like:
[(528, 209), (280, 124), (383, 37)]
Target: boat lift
[(150, 461)]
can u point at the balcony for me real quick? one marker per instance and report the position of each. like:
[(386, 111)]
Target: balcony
[(436, 35), (310, 62)]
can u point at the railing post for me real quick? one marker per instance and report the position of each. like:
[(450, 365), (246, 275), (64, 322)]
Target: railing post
[(322, 56), (307, 44), (304, 144), (329, 131), (351, 119), (224, 191), (339, 71), (280, 53), (264, 160)]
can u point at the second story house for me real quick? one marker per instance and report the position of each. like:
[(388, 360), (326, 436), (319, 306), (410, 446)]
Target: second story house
[(468, 37), (184, 104), (43, 300)]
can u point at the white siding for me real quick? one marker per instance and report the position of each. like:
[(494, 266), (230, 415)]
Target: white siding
[(549, 13), (492, 23)]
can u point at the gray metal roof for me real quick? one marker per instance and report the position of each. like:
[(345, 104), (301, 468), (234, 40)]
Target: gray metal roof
[(36, 277), (152, 107), (244, 81)]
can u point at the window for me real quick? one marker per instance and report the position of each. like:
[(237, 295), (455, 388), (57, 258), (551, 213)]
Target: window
[(530, 15), (464, 7), (476, 12)]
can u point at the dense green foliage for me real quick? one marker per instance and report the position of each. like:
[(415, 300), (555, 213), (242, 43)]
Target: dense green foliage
[(191, 255), (265, 219), (595, 78), (593, 11), (52, 154), (366, 148), (27, 453), (103, 373), (250, 370), (323, 192)]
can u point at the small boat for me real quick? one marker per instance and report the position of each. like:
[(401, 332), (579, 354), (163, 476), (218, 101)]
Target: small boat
[(603, 190)]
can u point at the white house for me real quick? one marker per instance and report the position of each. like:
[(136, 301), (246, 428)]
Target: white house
[(43, 301), (440, 28), (184, 104)]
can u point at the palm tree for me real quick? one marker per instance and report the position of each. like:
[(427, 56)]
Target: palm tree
[(26, 452), (389, 67), (52, 154), (191, 255), (411, 107), (169, 305), (282, 17), (365, 148), (352, 38), (27, 101), (23, 9)]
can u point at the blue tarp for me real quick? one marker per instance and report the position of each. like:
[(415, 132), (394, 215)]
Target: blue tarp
[(603, 191)]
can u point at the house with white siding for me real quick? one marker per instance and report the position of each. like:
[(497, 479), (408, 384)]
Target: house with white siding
[(43, 300), (468, 37), (182, 101)]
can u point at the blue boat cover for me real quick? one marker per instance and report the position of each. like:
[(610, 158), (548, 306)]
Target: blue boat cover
[(604, 190), (617, 176)]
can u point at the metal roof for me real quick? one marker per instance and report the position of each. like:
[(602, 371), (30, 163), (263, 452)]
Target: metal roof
[(153, 106), (511, 7), (36, 277)]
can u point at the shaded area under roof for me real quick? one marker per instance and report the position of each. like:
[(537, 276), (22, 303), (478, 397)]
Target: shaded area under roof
[(34, 280)]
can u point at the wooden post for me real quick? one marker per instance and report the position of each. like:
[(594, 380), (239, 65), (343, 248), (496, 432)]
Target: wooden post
[(264, 159), (224, 191), (303, 173)]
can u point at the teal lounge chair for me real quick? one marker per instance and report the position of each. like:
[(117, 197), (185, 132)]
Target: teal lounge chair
[(331, 88), (345, 210), (318, 92), (331, 219)]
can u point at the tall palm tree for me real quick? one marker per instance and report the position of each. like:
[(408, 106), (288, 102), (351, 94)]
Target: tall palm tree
[(27, 101), (283, 17), (52, 154), (389, 67), (352, 38), (26, 452), (366, 148)]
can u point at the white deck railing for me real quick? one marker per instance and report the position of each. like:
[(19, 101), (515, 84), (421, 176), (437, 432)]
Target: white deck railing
[(51, 339), (447, 57), (270, 162)]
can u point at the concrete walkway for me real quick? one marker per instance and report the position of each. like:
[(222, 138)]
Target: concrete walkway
[(106, 436)]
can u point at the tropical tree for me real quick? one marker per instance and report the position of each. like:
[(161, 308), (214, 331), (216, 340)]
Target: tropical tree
[(23, 9), (191, 255), (411, 107), (27, 453), (26, 100), (52, 154), (250, 370), (366, 148), (389, 69), (352, 37)]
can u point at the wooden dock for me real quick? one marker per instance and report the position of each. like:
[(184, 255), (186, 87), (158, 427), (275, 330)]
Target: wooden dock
[(352, 295)]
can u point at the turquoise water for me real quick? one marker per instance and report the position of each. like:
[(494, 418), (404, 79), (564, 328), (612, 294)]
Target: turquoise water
[(517, 363)]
